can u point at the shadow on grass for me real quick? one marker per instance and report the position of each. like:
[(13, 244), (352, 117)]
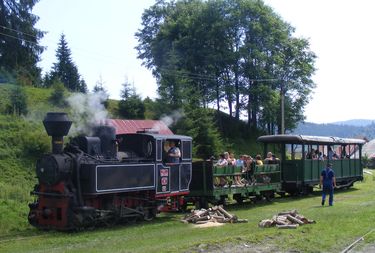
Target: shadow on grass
[(288, 198), (32, 232)]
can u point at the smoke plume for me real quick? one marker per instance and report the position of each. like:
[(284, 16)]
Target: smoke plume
[(172, 118), (87, 110)]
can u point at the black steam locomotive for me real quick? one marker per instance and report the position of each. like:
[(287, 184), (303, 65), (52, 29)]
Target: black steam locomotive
[(106, 178)]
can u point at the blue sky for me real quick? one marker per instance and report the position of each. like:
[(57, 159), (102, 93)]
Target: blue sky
[(101, 37)]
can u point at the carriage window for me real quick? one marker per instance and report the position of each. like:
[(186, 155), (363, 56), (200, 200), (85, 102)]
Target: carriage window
[(171, 151), (312, 152), (353, 151), (333, 152), (293, 151)]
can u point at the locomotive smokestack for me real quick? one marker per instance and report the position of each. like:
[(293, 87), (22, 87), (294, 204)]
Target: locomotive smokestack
[(57, 125)]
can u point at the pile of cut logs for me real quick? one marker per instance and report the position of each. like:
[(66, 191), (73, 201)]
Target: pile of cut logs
[(287, 219), (213, 214)]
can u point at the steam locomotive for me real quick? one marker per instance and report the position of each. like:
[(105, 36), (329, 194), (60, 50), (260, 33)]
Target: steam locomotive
[(106, 178)]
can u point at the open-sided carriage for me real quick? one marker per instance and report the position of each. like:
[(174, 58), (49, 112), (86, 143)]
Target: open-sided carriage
[(261, 181)]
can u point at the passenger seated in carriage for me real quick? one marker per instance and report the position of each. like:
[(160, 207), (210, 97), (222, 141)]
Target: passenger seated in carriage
[(237, 163), (271, 159), (258, 160), (222, 162), (312, 155)]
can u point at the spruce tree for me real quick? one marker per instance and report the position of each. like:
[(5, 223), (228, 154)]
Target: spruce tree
[(64, 69), (131, 105), (19, 41), (199, 123), (99, 89)]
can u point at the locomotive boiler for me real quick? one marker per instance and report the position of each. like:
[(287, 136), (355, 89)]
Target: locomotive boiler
[(106, 178)]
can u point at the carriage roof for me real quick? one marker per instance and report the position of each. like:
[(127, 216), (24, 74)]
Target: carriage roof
[(305, 139), (163, 136)]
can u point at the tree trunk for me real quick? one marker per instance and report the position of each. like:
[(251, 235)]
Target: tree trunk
[(254, 116), (237, 90), (249, 111), (217, 96), (230, 105)]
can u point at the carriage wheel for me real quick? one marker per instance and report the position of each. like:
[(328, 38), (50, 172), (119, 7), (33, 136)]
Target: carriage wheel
[(238, 198)]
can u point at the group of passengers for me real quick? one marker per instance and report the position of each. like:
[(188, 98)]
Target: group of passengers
[(318, 155), (246, 163)]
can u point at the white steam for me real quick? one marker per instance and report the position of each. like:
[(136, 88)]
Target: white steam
[(172, 118), (87, 110)]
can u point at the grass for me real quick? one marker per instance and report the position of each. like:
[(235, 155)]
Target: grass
[(20, 141), (351, 216)]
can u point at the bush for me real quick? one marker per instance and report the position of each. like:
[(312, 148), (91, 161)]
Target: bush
[(57, 97), (18, 101)]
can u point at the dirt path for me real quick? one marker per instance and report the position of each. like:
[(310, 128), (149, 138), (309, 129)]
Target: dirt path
[(264, 248)]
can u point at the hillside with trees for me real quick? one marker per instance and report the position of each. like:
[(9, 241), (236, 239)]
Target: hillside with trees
[(345, 131)]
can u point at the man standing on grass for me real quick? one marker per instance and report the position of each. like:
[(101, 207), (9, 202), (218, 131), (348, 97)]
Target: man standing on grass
[(328, 180)]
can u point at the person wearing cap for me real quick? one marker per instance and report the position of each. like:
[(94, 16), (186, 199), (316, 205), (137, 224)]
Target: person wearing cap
[(328, 180)]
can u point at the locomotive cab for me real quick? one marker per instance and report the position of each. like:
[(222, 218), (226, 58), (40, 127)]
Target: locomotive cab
[(170, 178)]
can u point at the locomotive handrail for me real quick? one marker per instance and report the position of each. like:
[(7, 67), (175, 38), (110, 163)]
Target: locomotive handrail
[(51, 194)]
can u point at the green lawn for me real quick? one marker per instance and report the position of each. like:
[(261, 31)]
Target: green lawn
[(352, 216)]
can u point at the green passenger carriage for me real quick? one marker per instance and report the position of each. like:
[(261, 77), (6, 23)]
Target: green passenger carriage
[(300, 169)]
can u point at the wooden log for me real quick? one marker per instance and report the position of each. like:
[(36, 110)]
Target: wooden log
[(217, 216), (202, 222), (282, 218), (290, 212), (201, 213), (242, 221), (266, 223), (233, 219), (219, 220), (202, 218), (219, 213), (287, 226), (226, 214), (302, 218), (294, 220), (280, 222), (191, 218)]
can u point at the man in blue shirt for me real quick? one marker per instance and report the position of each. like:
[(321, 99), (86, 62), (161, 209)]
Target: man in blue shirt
[(328, 180), (174, 153)]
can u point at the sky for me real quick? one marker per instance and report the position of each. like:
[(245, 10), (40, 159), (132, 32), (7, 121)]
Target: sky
[(101, 37)]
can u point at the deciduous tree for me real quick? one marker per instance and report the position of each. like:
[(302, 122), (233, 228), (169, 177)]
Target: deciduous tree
[(229, 52)]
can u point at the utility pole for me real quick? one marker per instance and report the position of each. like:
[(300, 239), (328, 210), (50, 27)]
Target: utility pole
[(282, 108)]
